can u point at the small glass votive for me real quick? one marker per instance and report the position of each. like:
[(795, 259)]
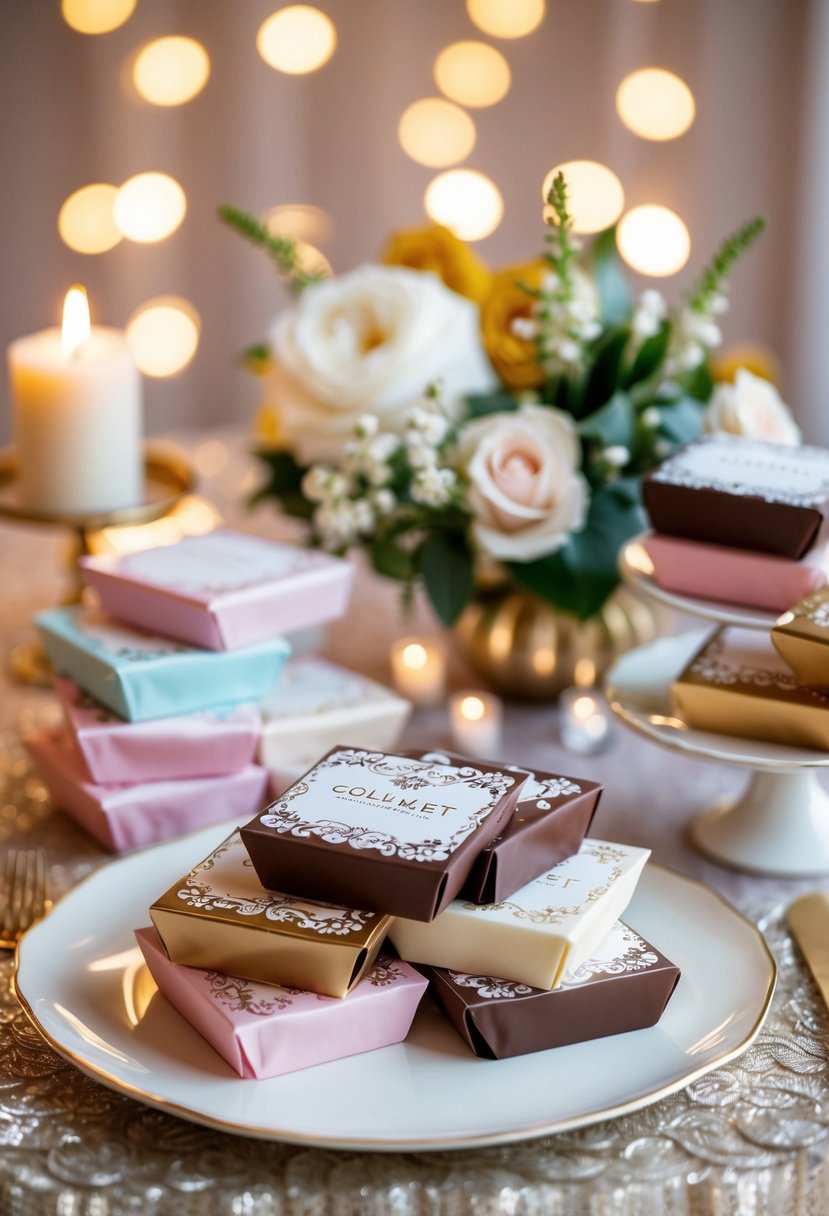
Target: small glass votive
[(584, 720), (477, 722), (418, 666)]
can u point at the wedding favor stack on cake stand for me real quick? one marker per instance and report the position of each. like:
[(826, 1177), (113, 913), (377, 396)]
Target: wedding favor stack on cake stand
[(179, 683), (740, 538)]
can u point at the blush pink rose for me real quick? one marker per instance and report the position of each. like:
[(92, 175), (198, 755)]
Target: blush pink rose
[(525, 489)]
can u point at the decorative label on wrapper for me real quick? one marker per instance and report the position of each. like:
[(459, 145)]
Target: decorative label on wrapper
[(382, 831), (624, 985), (737, 684), (742, 493), (553, 815), (219, 917)]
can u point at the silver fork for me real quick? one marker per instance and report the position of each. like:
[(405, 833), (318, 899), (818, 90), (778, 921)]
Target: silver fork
[(24, 893)]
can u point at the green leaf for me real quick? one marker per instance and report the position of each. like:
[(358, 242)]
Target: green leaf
[(581, 575), (614, 423), (481, 404), (447, 572), (698, 383), (681, 420), (390, 560), (603, 377), (649, 356), (615, 300), (283, 481)]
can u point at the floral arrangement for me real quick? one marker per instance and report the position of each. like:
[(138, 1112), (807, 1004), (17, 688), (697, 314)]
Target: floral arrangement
[(449, 420)]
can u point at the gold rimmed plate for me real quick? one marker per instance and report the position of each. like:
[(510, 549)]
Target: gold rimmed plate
[(81, 978)]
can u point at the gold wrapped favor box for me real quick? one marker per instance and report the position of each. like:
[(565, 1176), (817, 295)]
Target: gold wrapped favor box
[(801, 637), (737, 684), (219, 917)]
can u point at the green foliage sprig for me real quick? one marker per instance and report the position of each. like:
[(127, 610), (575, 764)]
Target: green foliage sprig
[(281, 249), (712, 281)]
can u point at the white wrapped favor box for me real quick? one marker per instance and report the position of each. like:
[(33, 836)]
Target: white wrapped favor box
[(317, 705), (550, 926)]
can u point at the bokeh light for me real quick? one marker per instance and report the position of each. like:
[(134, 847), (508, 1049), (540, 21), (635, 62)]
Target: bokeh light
[(653, 240), (96, 16), (435, 132), (297, 39), (655, 104), (594, 192), (163, 335), (506, 18), (301, 221), (472, 74), (170, 71), (466, 201), (86, 222), (149, 207)]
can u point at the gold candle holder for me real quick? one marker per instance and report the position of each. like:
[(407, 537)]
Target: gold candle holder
[(168, 479)]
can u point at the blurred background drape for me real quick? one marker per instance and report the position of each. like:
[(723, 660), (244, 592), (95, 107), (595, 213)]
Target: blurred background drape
[(71, 116)]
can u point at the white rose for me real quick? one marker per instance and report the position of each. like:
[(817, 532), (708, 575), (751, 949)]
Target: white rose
[(751, 407), (369, 341), (526, 491)]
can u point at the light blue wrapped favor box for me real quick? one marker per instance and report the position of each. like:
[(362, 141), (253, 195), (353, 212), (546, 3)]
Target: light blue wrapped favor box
[(141, 675)]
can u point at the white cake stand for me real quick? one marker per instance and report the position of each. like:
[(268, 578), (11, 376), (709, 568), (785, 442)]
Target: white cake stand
[(780, 823)]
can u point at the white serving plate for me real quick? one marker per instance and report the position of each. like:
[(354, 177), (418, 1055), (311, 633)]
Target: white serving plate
[(83, 981)]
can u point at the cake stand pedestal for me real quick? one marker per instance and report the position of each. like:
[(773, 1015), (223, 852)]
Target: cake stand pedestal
[(779, 824)]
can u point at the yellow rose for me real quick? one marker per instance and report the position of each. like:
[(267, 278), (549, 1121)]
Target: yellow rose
[(750, 356), (513, 358), (439, 250)]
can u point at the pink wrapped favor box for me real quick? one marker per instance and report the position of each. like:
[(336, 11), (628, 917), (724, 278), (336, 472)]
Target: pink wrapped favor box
[(125, 817), (223, 590), (264, 1031), (204, 744), (736, 576)]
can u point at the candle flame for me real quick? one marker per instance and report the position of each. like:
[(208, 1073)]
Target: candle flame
[(473, 709), (415, 656), (76, 326)]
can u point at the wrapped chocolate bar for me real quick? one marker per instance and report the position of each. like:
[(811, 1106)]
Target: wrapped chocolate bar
[(316, 704), (206, 744), (222, 590), (624, 985), (550, 821), (381, 831), (552, 924), (801, 638), (266, 1031), (735, 576), (741, 492), (737, 684), (219, 917), (125, 817), (141, 675)]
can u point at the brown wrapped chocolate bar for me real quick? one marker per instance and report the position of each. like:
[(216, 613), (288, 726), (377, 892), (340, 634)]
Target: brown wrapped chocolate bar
[(624, 986), (551, 819), (383, 832), (741, 492)]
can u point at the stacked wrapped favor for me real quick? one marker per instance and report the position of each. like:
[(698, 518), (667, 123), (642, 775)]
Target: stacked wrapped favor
[(369, 845), (740, 521), (162, 692)]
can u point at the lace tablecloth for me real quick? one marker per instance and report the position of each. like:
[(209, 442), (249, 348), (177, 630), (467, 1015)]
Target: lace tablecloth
[(751, 1138)]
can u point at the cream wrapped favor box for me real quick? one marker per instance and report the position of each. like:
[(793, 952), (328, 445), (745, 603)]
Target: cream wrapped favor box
[(552, 924), (222, 590), (315, 705)]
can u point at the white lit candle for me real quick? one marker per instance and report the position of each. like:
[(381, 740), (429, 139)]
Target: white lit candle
[(76, 400), (584, 723), (476, 723), (419, 670)]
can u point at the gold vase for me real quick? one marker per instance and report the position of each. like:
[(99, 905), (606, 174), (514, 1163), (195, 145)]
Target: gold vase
[(527, 649)]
